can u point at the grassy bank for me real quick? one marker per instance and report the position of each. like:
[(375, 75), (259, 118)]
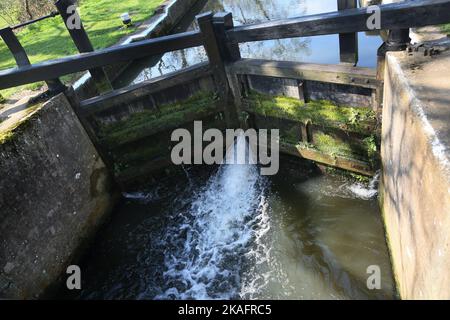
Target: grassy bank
[(49, 39)]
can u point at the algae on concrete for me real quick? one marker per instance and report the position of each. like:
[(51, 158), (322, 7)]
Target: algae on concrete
[(6, 134)]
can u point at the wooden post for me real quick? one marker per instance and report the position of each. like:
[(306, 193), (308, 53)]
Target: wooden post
[(348, 42), (72, 20), (215, 51), (230, 53), (54, 86), (301, 90)]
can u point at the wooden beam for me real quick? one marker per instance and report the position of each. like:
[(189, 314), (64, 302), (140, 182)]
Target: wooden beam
[(351, 165), (230, 53), (22, 60), (134, 173), (147, 130), (406, 14), (348, 42), (82, 41), (215, 52), (145, 88), (15, 47), (339, 74), (55, 68)]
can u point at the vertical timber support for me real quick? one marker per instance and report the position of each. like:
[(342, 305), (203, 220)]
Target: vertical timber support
[(230, 53), (72, 20), (55, 86), (348, 42), (214, 52)]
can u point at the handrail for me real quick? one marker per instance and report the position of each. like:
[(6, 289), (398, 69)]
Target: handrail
[(407, 14), (26, 23), (55, 68), (403, 15)]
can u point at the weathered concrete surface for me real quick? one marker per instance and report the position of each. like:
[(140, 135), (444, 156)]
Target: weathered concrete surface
[(415, 193), (54, 192)]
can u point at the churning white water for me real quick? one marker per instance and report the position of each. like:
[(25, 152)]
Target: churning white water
[(368, 191), (225, 218), (235, 234)]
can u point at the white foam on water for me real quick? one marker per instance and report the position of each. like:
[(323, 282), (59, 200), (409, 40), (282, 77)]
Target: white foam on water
[(366, 192), (206, 251)]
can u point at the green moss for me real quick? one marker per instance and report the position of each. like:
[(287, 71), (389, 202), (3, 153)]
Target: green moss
[(290, 135), (166, 115), (320, 112), (329, 145), (142, 153), (347, 175), (446, 28), (5, 136), (8, 134)]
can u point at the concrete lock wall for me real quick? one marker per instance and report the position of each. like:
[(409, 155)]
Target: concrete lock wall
[(54, 193), (415, 191)]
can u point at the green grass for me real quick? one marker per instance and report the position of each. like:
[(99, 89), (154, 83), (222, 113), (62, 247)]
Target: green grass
[(319, 112), (446, 28), (49, 39)]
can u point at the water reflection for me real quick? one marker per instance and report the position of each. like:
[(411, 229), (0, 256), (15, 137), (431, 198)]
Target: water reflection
[(322, 49)]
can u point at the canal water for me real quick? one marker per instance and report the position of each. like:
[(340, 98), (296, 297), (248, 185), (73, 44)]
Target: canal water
[(229, 233), (320, 49)]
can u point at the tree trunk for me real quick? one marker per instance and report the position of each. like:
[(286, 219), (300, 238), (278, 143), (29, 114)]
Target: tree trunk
[(27, 9)]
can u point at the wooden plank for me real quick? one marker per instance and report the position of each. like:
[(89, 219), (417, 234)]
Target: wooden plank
[(145, 88), (215, 51), (334, 128), (351, 165), (229, 49), (55, 68), (54, 85), (339, 74), (406, 14), (348, 42), (132, 174), (146, 131), (15, 47), (230, 53), (82, 41)]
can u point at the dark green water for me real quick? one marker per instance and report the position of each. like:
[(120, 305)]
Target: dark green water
[(229, 233)]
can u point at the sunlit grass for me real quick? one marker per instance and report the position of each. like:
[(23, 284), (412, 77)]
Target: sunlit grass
[(49, 39), (446, 28)]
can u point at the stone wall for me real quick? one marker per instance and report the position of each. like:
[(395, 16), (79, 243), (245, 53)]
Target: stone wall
[(415, 192), (54, 193)]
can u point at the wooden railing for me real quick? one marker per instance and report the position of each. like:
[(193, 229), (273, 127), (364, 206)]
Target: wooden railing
[(395, 16)]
